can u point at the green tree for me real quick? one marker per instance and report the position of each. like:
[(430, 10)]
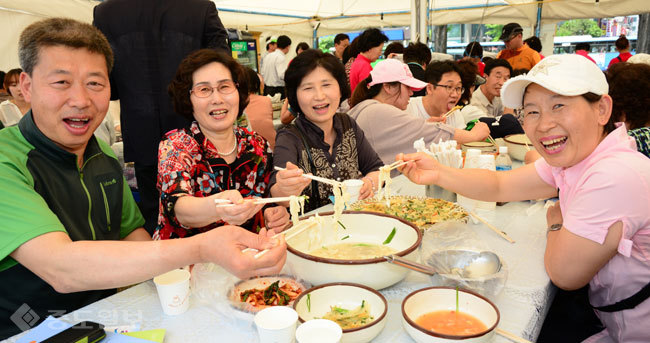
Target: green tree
[(325, 43), (579, 27), (493, 31)]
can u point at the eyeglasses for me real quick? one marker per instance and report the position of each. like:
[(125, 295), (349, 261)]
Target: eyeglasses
[(450, 89), (205, 90)]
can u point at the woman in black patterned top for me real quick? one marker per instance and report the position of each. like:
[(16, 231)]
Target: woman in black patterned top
[(320, 141)]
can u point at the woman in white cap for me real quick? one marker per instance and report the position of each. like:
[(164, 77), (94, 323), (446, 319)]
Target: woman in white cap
[(602, 182), (379, 107), (320, 141)]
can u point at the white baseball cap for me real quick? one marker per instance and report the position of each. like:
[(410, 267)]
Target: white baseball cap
[(567, 74), (392, 70)]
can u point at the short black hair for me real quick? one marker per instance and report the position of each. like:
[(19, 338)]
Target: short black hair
[(417, 52), (340, 37), (371, 38), (283, 41), (301, 46), (534, 43), (474, 50), (497, 62), (622, 43), (434, 71), (304, 64), (254, 84), (394, 47), (583, 46)]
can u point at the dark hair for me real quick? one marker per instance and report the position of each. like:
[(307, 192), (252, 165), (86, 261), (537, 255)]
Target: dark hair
[(485, 59), (2, 77), (622, 43), (417, 52), (469, 71), (304, 64), (394, 47), (534, 43), (181, 84), (340, 37), (593, 98), (61, 32), (497, 62), (362, 92), (268, 45), (583, 46), (351, 51), (370, 38), (283, 42), (254, 83), (434, 71), (302, 46), (519, 71), (627, 81), (473, 49), (9, 78)]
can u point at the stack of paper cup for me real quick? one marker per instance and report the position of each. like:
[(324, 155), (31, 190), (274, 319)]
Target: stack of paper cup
[(174, 291)]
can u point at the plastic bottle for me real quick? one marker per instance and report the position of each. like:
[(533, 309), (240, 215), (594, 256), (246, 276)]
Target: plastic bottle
[(476, 160), (503, 161)]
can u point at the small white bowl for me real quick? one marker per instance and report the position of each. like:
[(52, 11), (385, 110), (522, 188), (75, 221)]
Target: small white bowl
[(517, 145), (319, 331), (316, 302), (444, 298)]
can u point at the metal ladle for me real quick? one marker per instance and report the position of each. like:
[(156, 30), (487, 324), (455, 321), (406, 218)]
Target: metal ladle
[(484, 257)]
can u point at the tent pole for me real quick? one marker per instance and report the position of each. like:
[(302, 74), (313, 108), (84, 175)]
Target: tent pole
[(538, 22)]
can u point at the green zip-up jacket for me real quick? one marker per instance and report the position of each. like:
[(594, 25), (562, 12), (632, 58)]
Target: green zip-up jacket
[(42, 189)]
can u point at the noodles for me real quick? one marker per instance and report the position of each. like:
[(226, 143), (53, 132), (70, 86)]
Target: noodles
[(350, 319), (341, 199), (315, 237), (295, 203), (385, 181), (353, 251)]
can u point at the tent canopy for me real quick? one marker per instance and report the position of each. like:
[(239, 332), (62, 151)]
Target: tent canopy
[(297, 18)]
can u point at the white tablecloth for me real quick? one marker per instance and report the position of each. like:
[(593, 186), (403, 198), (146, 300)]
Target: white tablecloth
[(523, 303)]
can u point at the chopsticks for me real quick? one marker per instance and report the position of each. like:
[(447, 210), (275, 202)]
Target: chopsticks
[(489, 137), (396, 164), (511, 336), (317, 178), (410, 264), (527, 147), (226, 202), (491, 227), (292, 232), (451, 111)]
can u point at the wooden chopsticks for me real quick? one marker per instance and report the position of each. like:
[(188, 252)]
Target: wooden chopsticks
[(317, 178)]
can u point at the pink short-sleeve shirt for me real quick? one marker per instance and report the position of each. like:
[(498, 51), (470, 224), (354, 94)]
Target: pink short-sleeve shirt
[(612, 184)]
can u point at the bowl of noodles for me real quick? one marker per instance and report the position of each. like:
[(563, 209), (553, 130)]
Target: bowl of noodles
[(351, 249), (360, 311), (518, 145)]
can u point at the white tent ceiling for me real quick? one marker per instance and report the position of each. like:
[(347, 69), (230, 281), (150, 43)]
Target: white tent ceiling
[(298, 17)]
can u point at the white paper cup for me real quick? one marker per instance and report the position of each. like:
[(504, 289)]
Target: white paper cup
[(174, 291), (276, 324), (353, 187), (319, 331)]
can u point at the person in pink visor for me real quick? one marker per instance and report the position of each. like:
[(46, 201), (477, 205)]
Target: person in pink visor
[(379, 106), (599, 230)]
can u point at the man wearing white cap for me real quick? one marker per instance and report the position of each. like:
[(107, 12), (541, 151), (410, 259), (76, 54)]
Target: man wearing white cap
[(379, 106), (599, 231)]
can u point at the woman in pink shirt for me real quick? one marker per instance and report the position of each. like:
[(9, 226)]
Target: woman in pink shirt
[(604, 191), (370, 43)]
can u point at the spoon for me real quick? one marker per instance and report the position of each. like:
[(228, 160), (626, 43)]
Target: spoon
[(483, 263)]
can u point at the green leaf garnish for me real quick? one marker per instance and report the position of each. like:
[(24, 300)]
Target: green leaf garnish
[(390, 236), (361, 245), (456, 298), (340, 310), (363, 303), (309, 302), (346, 237), (343, 226)]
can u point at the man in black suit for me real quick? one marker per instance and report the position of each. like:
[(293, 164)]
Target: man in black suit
[(149, 39)]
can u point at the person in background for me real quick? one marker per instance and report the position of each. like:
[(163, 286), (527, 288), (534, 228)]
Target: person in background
[(640, 57), (149, 39), (471, 81), (259, 110), (12, 110), (211, 159), (341, 42), (274, 67), (474, 52), (71, 230), (4, 94), (623, 48), (599, 231), (320, 141), (583, 49), (416, 56), (370, 44), (518, 54), (302, 46), (271, 45), (393, 50), (534, 43), (629, 87), (379, 106), (349, 55)]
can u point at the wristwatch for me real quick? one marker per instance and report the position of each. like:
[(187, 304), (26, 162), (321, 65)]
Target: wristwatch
[(554, 227)]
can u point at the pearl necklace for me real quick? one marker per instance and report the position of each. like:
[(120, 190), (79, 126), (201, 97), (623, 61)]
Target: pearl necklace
[(231, 150)]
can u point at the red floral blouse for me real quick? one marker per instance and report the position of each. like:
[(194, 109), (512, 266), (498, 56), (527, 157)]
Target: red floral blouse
[(189, 164)]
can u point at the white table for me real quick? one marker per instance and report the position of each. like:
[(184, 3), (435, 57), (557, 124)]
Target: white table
[(523, 303)]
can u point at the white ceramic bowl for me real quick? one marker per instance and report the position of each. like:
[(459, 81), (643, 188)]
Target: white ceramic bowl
[(516, 146), (485, 147), (443, 298), (315, 302), (361, 227)]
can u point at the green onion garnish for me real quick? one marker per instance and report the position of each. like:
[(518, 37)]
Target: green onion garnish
[(456, 298), (363, 303), (343, 226), (309, 302), (346, 237), (390, 236), (362, 245)]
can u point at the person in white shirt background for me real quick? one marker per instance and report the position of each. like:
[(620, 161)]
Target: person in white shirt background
[(488, 95), (274, 66)]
